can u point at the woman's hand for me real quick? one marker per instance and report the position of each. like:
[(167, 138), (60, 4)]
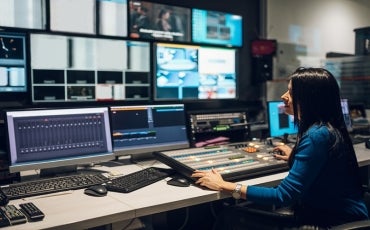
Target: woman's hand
[(210, 179), (285, 151)]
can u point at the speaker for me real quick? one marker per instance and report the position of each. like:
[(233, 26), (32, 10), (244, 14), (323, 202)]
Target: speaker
[(262, 68)]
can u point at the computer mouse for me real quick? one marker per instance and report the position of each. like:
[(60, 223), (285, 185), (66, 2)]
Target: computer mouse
[(179, 181), (96, 190), (367, 143)]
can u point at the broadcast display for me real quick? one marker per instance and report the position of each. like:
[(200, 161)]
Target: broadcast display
[(218, 28)]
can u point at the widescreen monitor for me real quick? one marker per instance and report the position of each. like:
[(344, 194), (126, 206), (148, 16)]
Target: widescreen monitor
[(139, 130), (13, 64), (280, 124), (191, 72), (218, 28), (59, 137), (154, 21)]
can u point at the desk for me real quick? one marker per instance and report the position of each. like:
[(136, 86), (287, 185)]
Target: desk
[(75, 210)]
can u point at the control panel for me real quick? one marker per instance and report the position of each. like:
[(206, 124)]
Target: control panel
[(234, 161)]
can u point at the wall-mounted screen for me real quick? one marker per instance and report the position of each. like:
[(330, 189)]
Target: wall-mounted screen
[(13, 62), (149, 20), (215, 27), (73, 16), (80, 69), (188, 72), (113, 17), (28, 14)]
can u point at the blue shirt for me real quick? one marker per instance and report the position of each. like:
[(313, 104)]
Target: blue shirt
[(318, 179)]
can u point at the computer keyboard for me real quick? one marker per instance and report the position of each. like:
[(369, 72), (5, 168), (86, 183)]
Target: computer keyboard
[(50, 185), (356, 139), (133, 181)]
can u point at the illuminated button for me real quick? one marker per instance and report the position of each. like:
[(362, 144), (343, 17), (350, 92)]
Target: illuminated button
[(250, 149)]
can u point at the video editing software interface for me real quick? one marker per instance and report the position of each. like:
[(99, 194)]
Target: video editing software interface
[(218, 127), (50, 138), (147, 128)]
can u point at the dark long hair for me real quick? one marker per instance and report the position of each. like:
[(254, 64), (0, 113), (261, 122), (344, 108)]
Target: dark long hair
[(316, 100)]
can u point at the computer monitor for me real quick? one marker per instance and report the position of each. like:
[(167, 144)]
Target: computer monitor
[(280, 124), (154, 21), (58, 138), (139, 130), (192, 72), (13, 66), (346, 114), (219, 28)]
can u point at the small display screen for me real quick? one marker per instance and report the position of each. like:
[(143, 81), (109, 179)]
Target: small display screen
[(155, 21), (216, 27), (280, 123), (13, 74)]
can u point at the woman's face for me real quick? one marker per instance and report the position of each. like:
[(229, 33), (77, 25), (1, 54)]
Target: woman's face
[(288, 100)]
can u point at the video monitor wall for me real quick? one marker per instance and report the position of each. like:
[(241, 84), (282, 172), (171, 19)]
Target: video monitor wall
[(156, 21), (215, 27), (81, 69), (189, 72), (13, 63)]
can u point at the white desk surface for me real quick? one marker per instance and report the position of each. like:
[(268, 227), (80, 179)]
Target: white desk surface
[(75, 210)]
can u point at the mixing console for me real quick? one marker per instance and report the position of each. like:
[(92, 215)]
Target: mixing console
[(234, 161)]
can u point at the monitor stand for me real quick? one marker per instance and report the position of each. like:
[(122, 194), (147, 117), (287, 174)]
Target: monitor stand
[(69, 170), (58, 171), (287, 140)]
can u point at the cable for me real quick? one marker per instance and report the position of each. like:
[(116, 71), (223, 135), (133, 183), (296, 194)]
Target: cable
[(129, 224), (186, 219)]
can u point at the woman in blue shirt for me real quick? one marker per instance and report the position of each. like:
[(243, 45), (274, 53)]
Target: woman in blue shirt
[(323, 184)]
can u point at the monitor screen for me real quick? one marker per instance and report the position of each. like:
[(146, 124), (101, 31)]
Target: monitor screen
[(142, 129), (49, 138), (28, 14), (279, 122), (13, 63), (346, 114), (189, 72), (149, 20), (73, 16), (81, 69), (215, 27), (113, 17)]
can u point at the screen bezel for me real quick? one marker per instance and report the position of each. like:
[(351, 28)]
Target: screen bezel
[(198, 99), (62, 161)]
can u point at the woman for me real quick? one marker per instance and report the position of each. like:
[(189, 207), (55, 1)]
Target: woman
[(323, 184)]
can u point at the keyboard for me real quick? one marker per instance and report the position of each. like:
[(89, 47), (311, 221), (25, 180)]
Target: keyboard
[(51, 185), (356, 139), (136, 180)]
